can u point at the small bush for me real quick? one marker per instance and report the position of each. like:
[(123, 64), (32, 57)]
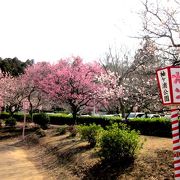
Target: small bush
[(10, 122), (73, 131), (89, 133), (42, 120), (61, 130), (40, 133), (119, 144)]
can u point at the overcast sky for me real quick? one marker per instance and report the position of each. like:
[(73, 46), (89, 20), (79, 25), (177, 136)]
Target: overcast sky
[(53, 29)]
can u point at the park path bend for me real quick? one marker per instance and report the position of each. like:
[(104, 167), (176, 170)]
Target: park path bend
[(16, 163)]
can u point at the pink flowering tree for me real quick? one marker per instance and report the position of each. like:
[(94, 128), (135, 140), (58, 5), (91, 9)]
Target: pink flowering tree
[(111, 90), (137, 77), (73, 82), (1, 78), (11, 92), (30, 81)]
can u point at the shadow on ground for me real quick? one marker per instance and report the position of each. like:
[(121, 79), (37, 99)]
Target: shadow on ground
[(107, 171)]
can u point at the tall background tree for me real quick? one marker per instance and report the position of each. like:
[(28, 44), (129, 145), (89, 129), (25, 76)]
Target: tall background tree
[(161, 23), (137, 77), (14, 66)]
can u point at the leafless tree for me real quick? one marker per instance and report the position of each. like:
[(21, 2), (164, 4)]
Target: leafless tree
[(161, 23)]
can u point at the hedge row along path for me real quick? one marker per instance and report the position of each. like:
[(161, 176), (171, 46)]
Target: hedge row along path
[(16, 163)]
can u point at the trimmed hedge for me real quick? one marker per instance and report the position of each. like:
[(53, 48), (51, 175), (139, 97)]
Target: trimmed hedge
[(67, 119), (17, 116), (20, 117), (4, 115), (60, 119), (153, 127), (147, 126)]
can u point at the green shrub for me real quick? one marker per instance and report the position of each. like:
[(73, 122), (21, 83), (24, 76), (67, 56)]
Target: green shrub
[(89, 133), (73, 131), (10, 122), (119, 144), (40, 133), (42, 120), (61, 130)]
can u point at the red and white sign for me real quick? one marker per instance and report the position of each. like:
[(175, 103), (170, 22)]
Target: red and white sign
[(169, 84), (25, 105)]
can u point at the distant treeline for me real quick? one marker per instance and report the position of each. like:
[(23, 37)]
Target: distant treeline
[(14, 66)]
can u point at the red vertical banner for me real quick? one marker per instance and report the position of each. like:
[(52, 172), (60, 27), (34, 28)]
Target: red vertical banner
[(176, 143)]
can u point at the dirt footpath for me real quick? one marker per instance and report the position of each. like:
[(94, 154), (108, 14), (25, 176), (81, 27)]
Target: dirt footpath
[(16, 164)]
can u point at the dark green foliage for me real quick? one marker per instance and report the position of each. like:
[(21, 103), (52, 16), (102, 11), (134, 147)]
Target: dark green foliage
[(67, 119), (42, 120), (10, 122), (14, 66), (20, 117), (61, 130), (153, 127), (61, 119), (89, 133), (119, 144)]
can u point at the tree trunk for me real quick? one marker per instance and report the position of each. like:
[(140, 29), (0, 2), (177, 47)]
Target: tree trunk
[(74, 117), (31, 109), (31, 113), (74, 110), (117, 110), (9, 109), (122, 108)]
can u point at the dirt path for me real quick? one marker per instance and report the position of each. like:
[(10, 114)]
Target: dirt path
[(60, 157), (15, 163)]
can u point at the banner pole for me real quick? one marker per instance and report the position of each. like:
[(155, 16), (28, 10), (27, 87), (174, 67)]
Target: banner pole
[(175, 139), (24, 125)]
